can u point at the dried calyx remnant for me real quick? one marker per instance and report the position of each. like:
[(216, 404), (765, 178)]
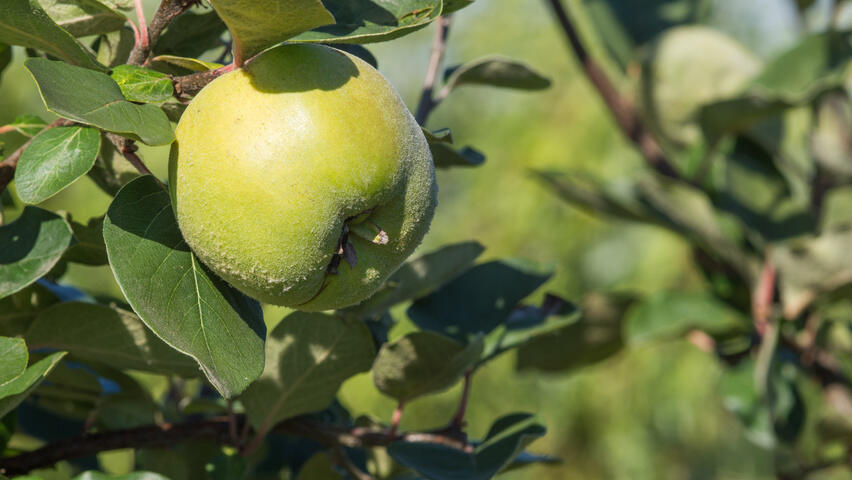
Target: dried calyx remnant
[(361, 226)]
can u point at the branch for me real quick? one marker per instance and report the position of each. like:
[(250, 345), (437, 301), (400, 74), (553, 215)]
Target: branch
[(187, 86), (216, 430), (8, 166), (625, 115), (126, 147), (166, 12), (428, 102)]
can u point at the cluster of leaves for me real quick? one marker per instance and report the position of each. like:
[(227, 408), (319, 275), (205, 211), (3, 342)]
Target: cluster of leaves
[(762, 157), (182, 345)]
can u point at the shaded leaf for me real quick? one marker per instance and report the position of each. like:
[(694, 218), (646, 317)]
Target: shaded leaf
[(13, 358), (107, 335), (94, 98), (495, 72), (190, 309), (25, 23), (32, 245), (112, 170), (28, 125), (477, 301), (54, 160), (445, 156), (421, 363), (595, 336), (114, 47), (139, 84), (191, 34), (372, 20), (14, 392), (5, 59), (89, 248), (505, 441), (421, 276), (357, 50), (451, 6), (18, 310), (667, 315), (81, 18), (308, 356), (258, 24)]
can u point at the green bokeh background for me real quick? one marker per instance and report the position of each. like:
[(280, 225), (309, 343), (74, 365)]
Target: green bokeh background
[(651, 412)]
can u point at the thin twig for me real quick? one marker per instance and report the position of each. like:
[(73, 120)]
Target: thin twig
[(458, 420), (764, 293), (7, 129), (166, 12), (232, 423), (8, 166), (625, 114), (428, 102), (186, 86), (128, 148), (397, 417), (142, 41), (216, 430)]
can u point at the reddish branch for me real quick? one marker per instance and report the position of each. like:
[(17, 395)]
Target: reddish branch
[(428, 102), (216, 430), (166, 12), (625, 114)]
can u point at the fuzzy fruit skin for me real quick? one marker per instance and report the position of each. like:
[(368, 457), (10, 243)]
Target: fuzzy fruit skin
[(272, 159)]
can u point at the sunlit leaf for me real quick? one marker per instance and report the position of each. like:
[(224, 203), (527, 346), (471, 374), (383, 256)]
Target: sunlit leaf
[(139, 84)]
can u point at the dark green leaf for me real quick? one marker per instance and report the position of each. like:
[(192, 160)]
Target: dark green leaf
[(451, 6), (89, 248), (495, 72), (54, 160), (477, 301), (139, 84), (506, 439), (5, 57), (420, 277), (359, 51), (258, 24), (421, 363), (593, 337), (308, 356), (94, 98), (28, 125), (227, 467), (107, 335), (83, 17), (112, 170), (25, 23), (114, 47), (32, 245), (14, 392), (178, 299), (13, 358), (668, 315), (445, 156), (373, 20), (191, 34)]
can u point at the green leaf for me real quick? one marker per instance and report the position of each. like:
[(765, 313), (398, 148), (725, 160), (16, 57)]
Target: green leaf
[(227, 466), (595, 336), (308, 356), (373, 21), (92, 475), (14, 392), (477, 301), (667, 315), (5, 57), (141, 84), (13, 358), (107, 335), (421, 363), (18, 310), (418, 278), (89, 248), (112, 170), (54, 160), (32, 245), (178, 299), (505, 441), (95, 99), (115, 47), (81, 18), (28, 125), (495, 72), (25, 23), (258, 24), (192, 64)]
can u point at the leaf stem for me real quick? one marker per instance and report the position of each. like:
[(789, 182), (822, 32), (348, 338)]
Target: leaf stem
[(428, 101), (128, 148), (150, 33), (6, 129), (395, 419), (458, 420), (142, 40)]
